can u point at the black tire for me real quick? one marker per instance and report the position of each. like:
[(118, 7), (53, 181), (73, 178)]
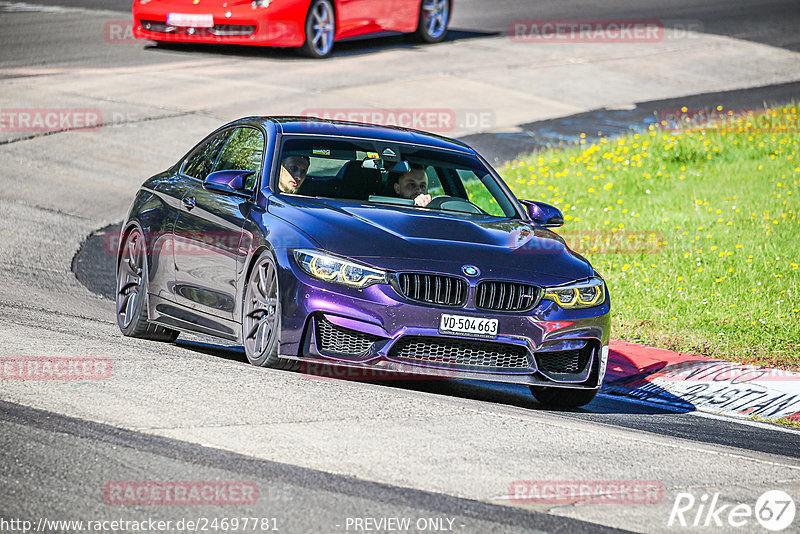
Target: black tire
[(261, 317), (131, 301), (320, 29), (433, 32), (563, 397)]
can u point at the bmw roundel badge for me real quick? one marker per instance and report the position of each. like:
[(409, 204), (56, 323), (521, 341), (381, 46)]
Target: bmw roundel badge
[(471, 270)]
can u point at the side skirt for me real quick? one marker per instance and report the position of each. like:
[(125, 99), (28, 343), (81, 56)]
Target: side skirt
[(171, 315)]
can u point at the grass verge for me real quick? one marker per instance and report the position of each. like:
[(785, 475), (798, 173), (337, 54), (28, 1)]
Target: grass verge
[(695, 230)]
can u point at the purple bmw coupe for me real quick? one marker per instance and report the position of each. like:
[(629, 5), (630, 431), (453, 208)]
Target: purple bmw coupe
[(366, 246)]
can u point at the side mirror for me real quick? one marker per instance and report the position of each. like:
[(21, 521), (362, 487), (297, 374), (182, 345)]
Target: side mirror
[(543, 214), (231, 182)]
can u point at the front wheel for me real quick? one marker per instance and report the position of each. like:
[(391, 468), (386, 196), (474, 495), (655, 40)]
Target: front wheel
[(563, 397), (320, 29), (261, 317), (434, 16)]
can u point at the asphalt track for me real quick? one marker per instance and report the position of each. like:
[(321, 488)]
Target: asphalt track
[(286, 492), (56, 465)]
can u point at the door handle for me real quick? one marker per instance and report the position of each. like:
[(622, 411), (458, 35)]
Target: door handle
[(188, 202)]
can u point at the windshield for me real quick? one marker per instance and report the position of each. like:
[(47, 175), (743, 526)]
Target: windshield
[(393, 174)]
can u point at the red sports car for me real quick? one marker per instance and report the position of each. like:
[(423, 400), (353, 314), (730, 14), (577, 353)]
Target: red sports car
[(313, 25)]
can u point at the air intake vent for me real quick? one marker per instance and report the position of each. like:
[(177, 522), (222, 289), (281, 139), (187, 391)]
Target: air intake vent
[(506, 296), (458, 353), (335, 341), (433, 288), (564, 361)]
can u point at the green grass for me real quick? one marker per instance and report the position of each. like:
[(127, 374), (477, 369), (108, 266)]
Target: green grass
[(783, 421), (696, 232)]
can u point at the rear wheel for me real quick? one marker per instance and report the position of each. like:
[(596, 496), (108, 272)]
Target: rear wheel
[(434, 16), (320, 29), (563, 397), (132, 293), (261, 317)]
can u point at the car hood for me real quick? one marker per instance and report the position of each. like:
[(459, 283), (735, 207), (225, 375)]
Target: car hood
[(399, 238)]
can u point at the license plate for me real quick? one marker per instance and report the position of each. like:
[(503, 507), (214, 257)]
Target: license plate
[(468, 326), (190, 20)]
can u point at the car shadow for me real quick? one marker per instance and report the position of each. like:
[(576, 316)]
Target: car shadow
[(232, 353), (352, 47), (622, 391)]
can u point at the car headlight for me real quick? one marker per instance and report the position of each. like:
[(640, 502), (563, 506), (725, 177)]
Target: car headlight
[(578, 295), (338, 270)]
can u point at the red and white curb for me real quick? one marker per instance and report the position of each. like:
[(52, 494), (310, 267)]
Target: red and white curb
[(684, 382)]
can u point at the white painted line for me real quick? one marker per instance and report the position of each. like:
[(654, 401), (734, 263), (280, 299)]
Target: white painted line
[(24, 7)]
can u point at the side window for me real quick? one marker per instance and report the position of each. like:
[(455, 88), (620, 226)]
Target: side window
[(479, 194), (244, 151), (325, 167), (201, 162), (435, 188)]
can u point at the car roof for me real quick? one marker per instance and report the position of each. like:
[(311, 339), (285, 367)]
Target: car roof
[(296, 125)]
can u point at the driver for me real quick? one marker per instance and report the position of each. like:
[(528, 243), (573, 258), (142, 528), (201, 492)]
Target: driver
[(413, 185), (293, 173)]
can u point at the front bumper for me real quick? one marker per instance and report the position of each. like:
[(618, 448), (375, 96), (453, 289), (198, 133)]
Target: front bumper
[(379, 329), (242, 25)]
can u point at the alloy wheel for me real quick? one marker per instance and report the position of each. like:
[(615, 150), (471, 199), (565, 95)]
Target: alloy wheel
[(435, 14), (260, 328), (130, 279), (322, 28)]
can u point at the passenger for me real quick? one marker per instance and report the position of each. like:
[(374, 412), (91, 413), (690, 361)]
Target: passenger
[(293, 173), (413, 185)]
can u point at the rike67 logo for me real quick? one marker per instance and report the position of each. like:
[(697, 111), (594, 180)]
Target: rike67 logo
[(774, 510)]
